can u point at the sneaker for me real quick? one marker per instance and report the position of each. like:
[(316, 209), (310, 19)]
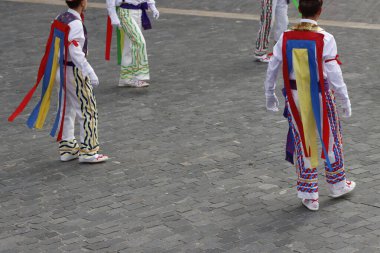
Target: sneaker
[(133, 83), (263, 58), (347, 188), (68, 157), (311, 204), (98, 158)]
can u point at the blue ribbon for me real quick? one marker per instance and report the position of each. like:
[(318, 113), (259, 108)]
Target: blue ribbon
[(60, 35), (34, 115)]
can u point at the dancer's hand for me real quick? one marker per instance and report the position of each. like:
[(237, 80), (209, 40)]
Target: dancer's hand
[(156, 13), (94, 79), (115, 21), (272, 103), (346, 108)]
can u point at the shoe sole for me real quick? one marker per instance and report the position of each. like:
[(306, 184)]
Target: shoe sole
[(93, 161), (311, 209), (68, 159), (340, 195), (130, 86), (262, 61)]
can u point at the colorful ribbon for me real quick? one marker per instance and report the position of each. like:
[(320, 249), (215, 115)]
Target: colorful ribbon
[(56, 48), (119, 40), (302, 53)]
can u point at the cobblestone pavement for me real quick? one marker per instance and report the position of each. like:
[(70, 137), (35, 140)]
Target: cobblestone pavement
[(197, 163)]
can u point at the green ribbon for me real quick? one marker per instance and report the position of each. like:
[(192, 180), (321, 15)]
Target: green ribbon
[(118, 46), (296, 4)]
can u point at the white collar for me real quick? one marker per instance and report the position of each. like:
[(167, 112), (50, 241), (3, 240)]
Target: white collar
[(305, 20), (76, 14)]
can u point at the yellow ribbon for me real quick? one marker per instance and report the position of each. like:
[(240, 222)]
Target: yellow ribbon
[(302, 72), (45, 104)]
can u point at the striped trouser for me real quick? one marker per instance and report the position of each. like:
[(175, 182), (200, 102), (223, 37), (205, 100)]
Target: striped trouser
[(134, 62), (271, 10), (81, 105), (307, 183)]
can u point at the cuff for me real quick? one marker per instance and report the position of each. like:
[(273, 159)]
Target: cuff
[(87, 70), (270, 93), (152, 6)]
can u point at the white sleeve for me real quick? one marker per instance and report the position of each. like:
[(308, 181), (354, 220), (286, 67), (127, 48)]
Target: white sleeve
[(110, 4), (75, 49), (277, 49), (111, 8), (271, 77), (273, 68), (333, 71), (151, 2)]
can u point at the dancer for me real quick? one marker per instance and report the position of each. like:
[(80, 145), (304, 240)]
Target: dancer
[(129, 16), (310, 68), (273, 12), (65, 62)]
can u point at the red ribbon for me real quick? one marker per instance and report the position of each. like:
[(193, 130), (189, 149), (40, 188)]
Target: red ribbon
[(334, 59), (108, 39), (41, 71), (74, 42)]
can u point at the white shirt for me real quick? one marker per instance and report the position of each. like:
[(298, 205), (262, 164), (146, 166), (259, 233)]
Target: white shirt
[(137, 2), (331, 69), (76, 54), (111, 6), (114, 3)]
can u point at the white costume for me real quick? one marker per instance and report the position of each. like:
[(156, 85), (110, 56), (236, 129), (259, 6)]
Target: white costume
[(273, 12), (80, 100), (130, 16), (302, 148)]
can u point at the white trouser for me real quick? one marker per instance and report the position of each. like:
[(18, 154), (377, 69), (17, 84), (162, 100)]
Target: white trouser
[(80, 105), (274, 12), (134, 62), (280, 17)]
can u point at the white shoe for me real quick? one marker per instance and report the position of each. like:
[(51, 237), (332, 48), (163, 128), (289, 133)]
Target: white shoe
[(126, 82), (347, 188), (98, 158), (133, 83), (311, 204), (263, 58), (68, 157)]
